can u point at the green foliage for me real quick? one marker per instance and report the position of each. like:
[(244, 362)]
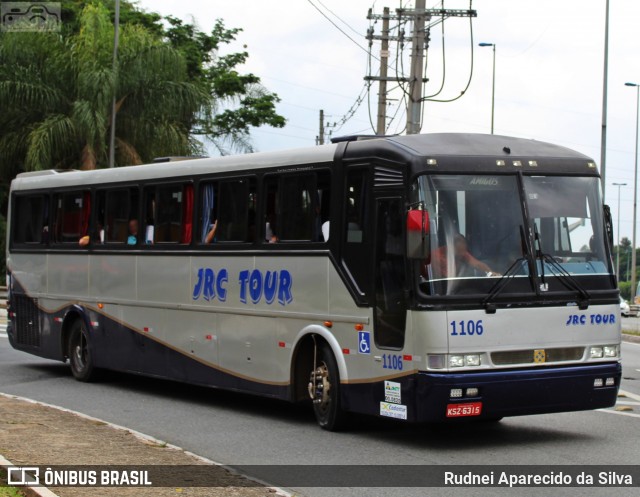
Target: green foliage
[(625, 290), (172, 88)]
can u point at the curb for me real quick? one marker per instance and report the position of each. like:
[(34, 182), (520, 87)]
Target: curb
[(45, 492), (630, 338)]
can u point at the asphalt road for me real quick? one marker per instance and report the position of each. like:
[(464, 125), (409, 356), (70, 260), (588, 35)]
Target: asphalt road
[(238, 429)]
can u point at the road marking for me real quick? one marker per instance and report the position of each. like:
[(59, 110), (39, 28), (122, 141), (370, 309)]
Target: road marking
[(623, 395), (622, 413), (4, 335)]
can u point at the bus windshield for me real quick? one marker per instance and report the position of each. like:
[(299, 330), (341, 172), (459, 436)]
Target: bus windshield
[(480, 231)]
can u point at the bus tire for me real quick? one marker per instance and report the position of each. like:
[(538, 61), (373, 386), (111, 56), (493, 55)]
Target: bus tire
[(324, 385), (79, 353)]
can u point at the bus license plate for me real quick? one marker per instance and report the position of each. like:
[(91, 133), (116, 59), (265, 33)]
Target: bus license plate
[(460, 410)]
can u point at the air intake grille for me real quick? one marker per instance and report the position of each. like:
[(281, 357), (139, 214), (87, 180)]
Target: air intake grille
[(27, 321), (514, 357), (385, 177)]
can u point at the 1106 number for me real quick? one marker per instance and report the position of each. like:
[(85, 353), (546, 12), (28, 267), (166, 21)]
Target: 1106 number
[(464, 328)]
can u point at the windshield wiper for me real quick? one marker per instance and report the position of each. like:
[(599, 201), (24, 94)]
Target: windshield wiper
[(506, 278), (561, 273), (513, 270)]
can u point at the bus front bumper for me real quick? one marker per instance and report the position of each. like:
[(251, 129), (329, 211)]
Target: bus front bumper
[(495, 394)]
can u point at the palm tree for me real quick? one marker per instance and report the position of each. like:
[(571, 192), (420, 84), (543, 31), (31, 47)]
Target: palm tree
[(56, 94)]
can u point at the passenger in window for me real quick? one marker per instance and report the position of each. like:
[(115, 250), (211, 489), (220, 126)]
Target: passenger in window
[(270, 232), (85, 240), (325, 231), (212, 232), (133, 232), (462, 260)]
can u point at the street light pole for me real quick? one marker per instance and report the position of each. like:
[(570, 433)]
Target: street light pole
[(635, 198), (493, 84), (619, 185)]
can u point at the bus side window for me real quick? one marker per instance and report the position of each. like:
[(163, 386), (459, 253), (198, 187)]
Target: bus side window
[(120, 207), (272, 210), (236, 211), (31, 223), (72, 216), (355, 206), (208, 214), (297, 207), (356, 254), (168, 213)]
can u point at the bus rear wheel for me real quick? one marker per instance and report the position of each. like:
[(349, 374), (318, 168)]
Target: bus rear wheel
[(79, 353), (324, 390)]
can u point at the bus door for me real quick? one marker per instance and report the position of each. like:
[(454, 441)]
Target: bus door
[(390, 312)]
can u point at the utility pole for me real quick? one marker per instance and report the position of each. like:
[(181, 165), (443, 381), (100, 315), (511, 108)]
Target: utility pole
[(382, 92), (420, 16), (414, 112), (320, 139)]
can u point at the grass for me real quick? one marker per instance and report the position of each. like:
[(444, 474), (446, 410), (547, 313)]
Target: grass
[(631, 332), (10, 492), (6, 491)]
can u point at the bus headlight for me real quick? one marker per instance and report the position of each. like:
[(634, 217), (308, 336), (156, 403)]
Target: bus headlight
[(468, 360), (472, 360), (600, 351), (456, 361), (610, 350)]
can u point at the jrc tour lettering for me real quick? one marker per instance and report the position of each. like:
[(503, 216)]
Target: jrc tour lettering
[(584, 319), (253, 285)]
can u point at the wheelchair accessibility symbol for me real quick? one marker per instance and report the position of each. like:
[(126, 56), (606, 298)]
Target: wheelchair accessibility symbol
[(364, 342)]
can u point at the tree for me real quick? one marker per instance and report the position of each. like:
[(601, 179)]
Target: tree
[(57, 95), (171, 87), (239, 100)]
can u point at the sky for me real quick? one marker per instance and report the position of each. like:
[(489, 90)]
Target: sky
[(548, 79)]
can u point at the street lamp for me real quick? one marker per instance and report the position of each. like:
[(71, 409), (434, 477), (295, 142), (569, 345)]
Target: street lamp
[(635, 199), (493, 85), (619, 185)]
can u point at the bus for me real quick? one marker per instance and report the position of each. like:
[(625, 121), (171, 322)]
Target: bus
[(425, 278)]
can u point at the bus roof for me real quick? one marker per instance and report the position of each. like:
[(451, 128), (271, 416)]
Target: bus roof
[(412, 146)]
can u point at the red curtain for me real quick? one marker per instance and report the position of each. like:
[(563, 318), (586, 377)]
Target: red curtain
[(86, 213), (187, 215)]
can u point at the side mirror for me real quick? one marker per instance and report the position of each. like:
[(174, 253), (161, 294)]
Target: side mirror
[(418, 240)]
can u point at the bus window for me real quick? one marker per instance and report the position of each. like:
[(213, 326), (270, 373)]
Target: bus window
[(227, 211), (72, 216), (115, 210), (208, 214), (31, 219), (297, 206), (168, 211), (390, 275), (236, 211), (355, 256)]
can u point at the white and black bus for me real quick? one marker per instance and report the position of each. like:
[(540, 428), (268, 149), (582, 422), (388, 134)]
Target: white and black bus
[(423, 278)]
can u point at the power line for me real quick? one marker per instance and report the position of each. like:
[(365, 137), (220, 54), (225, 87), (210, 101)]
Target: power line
[(339, 28)]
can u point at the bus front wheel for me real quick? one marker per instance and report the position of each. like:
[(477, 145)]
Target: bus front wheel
[(79, 353), (324, 390)]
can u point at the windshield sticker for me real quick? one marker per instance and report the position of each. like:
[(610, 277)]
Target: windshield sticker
[(253, 285), (584, 319)]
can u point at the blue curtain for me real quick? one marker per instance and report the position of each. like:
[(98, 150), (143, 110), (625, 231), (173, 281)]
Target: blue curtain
[(208, 202)]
